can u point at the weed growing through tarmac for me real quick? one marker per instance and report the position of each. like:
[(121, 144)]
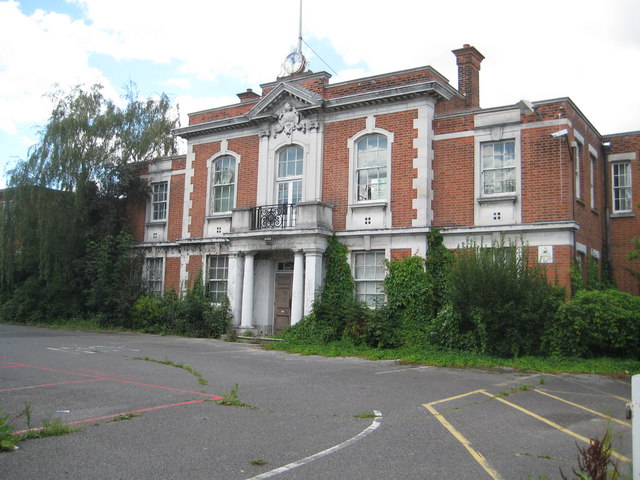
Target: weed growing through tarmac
[(50, 428), (594, 461), (258, 462), (516, 389), (231, 399), (184, 366), (124, 416), (365, 415)]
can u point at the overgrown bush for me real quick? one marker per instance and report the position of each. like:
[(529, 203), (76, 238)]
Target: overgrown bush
[(114, 279), (192, 315), (336, 307), (501, 303), (594, 323)]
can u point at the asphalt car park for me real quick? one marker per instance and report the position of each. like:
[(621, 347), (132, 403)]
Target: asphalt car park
[(303, 417)]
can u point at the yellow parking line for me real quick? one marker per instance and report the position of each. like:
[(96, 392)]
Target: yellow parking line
[(608, 417), (426, 405), (553, 424), (462, 439), (582, 394)]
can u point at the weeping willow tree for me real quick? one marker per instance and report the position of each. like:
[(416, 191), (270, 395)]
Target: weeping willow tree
[(71, 194)]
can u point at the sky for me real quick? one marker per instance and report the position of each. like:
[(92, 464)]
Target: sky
[(203, 52)]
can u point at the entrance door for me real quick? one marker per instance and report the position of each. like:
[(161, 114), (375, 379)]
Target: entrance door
[(282, 316)]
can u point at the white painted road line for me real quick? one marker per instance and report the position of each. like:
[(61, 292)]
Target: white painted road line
[(402, 370), (374, 425)]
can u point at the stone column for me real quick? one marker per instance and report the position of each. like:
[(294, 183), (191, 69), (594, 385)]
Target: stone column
[(312, 278), (247, 292), (234, 286), (297, 291)]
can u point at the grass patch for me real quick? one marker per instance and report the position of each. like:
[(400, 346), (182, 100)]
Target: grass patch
[(461, 359), (124, 416), (184, 366), (517, 389), (231, 399), (258, 462), (49, 429), (365, 415)]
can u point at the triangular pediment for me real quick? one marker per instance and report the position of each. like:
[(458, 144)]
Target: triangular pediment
[(271, 104)]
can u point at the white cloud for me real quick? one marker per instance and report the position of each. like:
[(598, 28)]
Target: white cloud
[(178, 82), (586, 49)]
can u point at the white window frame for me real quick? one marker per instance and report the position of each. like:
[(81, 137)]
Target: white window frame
[(214, 186), (368, 276), (154, 276), (370, 129), (218, 283), (290, 180), (616, 189), (592, 180), (514, 167), (364, 190), (157, 202), (577, 154)]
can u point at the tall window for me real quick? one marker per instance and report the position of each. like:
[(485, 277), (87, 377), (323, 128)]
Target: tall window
[(159, 201), (592, 180), (217, 276), (371, 168), (578, 158), (368, 276), (224, 183), (498, 167), (153, 274), (621, 176), (290, 175)]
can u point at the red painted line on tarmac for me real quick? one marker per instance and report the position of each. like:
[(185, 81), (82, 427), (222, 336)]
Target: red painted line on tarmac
[(215, 397), (113, 415), (9, 366), (53, 384)]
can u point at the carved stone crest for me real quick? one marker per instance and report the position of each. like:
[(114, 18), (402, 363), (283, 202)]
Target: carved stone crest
[(288, 121)]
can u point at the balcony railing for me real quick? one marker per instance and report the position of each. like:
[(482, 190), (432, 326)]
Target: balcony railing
[(274, 216)]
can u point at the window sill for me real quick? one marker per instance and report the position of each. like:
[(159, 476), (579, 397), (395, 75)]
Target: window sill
[(219, 215), (623, 215), (501, 198), (156, 223), (369, 204)]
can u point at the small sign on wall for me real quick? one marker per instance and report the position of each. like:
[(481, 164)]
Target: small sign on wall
[(545, 254)]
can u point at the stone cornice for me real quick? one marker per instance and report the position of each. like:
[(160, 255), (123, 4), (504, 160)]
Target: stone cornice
[(262, 112)]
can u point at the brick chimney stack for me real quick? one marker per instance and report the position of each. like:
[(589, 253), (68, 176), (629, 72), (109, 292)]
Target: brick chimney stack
[(468, 60), (247, 96)]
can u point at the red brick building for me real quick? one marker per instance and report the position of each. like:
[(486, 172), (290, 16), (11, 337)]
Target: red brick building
[(379, 162)]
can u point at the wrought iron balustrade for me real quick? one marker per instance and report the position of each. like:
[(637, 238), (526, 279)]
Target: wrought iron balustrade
[(274, 216)]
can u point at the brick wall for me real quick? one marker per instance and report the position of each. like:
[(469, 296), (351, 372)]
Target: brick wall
[(200, 182), (194, 267), (453, 180), (623, 230), (402, 171), (335, 175), (400, 253), (172, 274), (247, 148)]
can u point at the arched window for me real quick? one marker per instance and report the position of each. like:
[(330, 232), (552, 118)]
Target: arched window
[(289, 181), (371, 168), (224, 184)]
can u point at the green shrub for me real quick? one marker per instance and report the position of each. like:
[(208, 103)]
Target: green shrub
[(191, 315), (335, 307), (7, 439), (500, 299), (596, 323)]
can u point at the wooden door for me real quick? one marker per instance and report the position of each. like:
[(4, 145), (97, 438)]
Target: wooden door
[(282, 314)]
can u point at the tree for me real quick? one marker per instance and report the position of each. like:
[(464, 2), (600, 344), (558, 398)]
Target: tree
[(73, 188)]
